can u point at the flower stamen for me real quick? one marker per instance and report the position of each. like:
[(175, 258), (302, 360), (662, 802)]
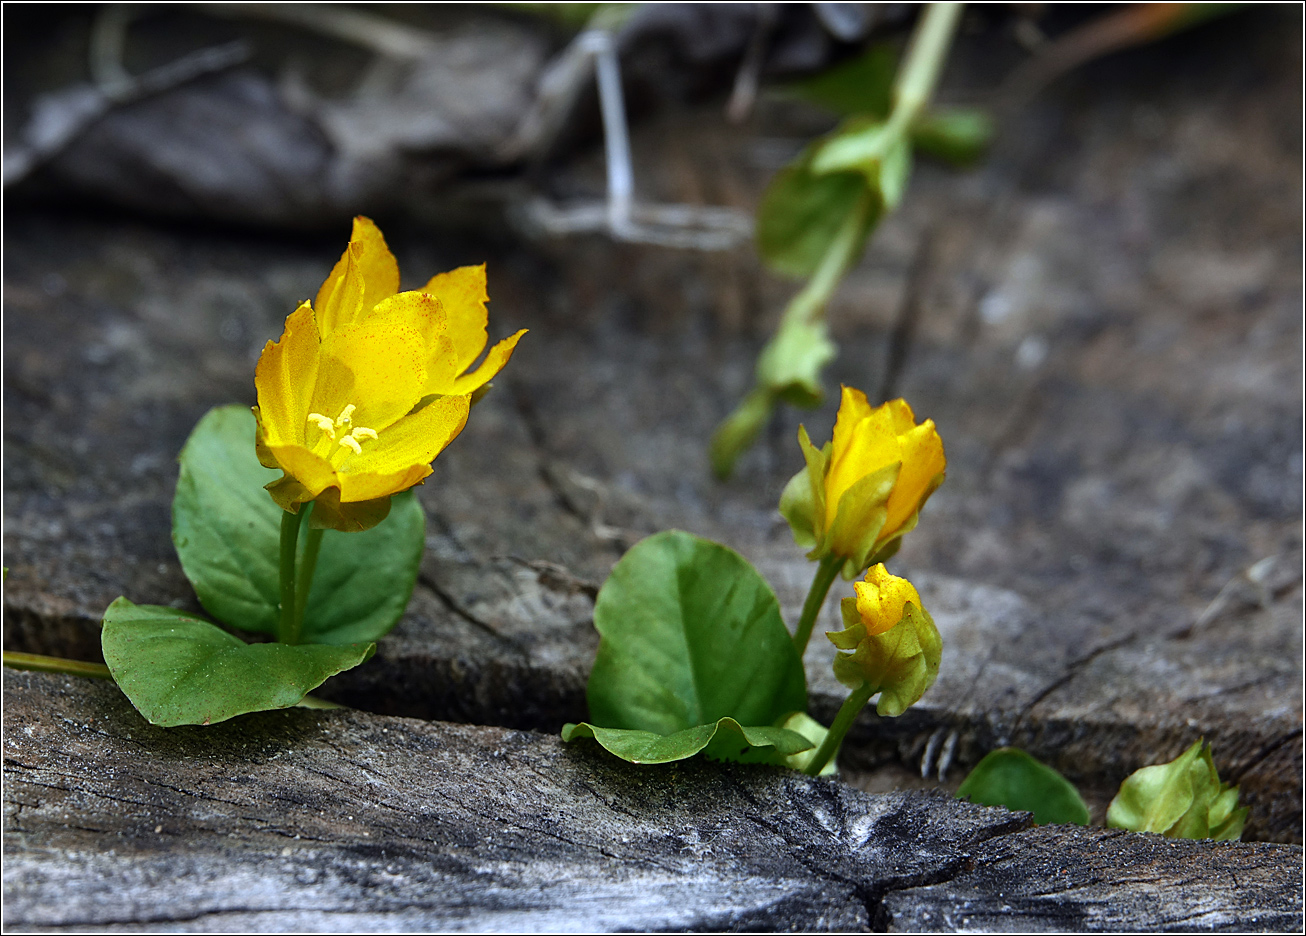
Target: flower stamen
[(350, 442), (323, 423), (346, 417)]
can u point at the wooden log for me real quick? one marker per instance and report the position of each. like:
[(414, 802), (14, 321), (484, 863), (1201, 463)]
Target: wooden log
[(1114, 560), (316, 820)]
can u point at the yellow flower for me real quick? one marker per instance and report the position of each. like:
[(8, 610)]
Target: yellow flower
[(863, 491), (894, 644), (367, 384)]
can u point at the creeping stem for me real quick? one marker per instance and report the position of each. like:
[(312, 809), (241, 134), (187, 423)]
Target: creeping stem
[(821, 582), (49, 664), (842, 722), (912, 90), (288, 626), (916, 79)]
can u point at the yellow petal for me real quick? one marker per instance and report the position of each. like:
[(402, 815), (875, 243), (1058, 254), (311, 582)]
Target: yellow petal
[(365, 487), (425, 313), (462, 293), (366, 273), (265, 457), (312, 471), (853, 408), (869, 446), (494, 362), (285, 377), (378, 365), (881, 598), (410, 443), (415, 309), (922, 462), (904, 420)]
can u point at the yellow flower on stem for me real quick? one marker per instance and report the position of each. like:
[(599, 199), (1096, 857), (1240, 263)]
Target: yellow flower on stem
[(367, 384), (859, 495), (864, 490), (891, 647), (895, 647)]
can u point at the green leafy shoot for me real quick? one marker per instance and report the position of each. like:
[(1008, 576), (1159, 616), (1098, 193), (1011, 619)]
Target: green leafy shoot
[(1181, 799)]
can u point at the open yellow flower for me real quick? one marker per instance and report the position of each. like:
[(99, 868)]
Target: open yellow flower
[(894, 647), (863, 491), (367, 384)]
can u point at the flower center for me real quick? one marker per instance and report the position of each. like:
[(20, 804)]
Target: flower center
[(343, 432)]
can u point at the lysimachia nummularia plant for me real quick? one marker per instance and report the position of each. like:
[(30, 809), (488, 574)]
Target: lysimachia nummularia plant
[(297, 520), (693, 653)]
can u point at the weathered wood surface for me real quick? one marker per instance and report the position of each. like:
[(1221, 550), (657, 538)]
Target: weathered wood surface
[(317, 821), (1107, 333)]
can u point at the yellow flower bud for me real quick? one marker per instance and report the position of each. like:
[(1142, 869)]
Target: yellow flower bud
[(891, 642), (863, 491), (881, 598), (367, 384)]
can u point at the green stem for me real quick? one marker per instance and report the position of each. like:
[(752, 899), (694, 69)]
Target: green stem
[(304, 576), (821, 582), (287, 630), (809, 305), (49, 664), (842, 722), (919, 74)]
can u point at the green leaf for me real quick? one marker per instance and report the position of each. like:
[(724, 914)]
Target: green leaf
[(881, 152), (726, 739), (801, 214), (791, 363), (179, 670), (957, 135), (690, 634), (863, 85), (227, 532), (814, 732), (1010, 777)]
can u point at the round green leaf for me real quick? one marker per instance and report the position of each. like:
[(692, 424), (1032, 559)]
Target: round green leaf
[(1010, 777), (179, 670), (802, 213), (724, 740), (690, 634), (227, 532)]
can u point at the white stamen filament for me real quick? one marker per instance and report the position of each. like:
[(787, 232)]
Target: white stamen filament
[(350, 442), (362, 432)]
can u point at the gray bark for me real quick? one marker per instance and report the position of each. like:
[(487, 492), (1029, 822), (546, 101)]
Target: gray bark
[(320, 821), (1108, 336)]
